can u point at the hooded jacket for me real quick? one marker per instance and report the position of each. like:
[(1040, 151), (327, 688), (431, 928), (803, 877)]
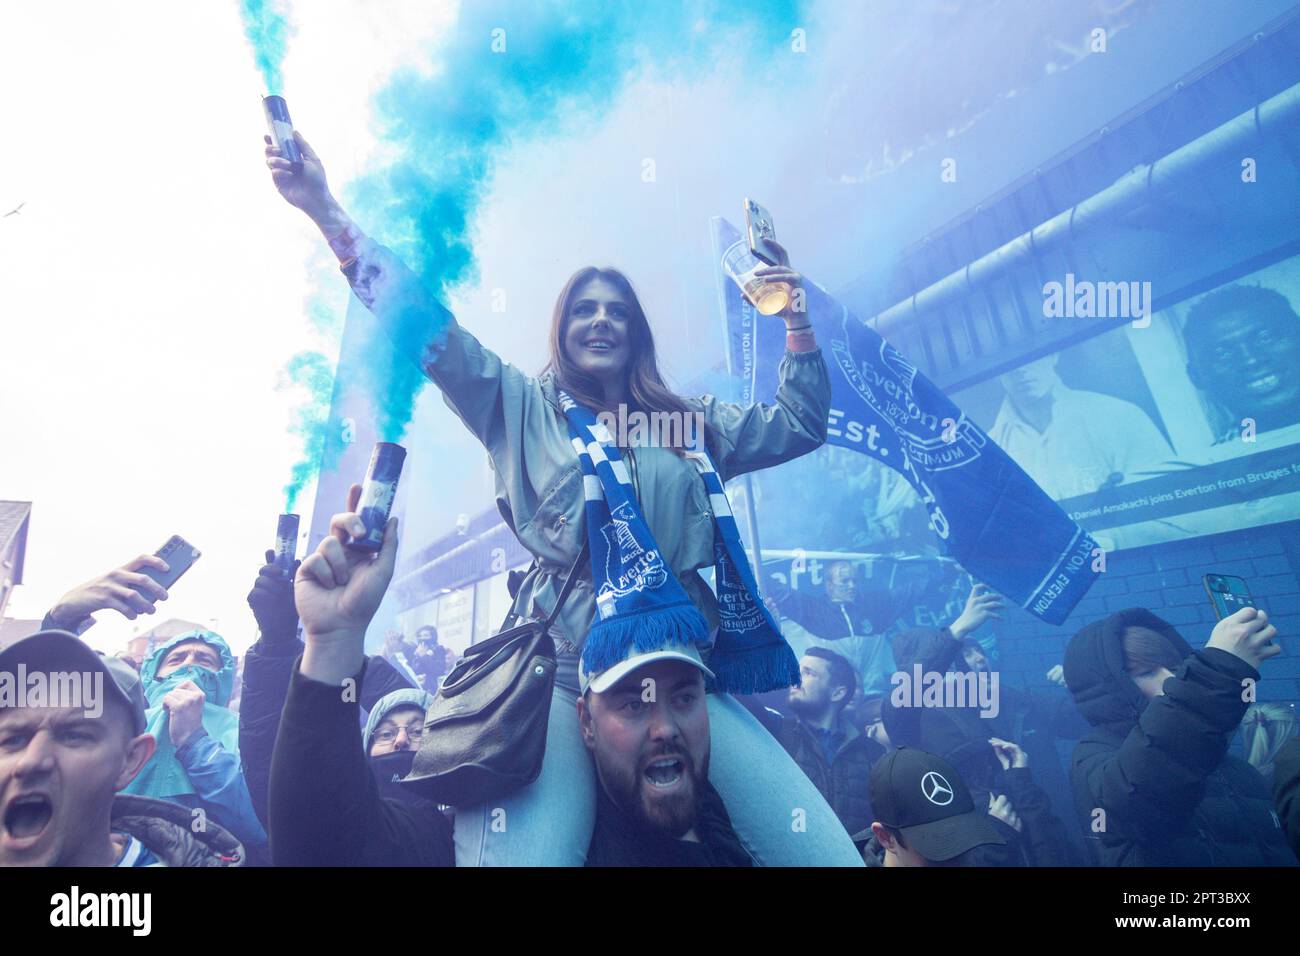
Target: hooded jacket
[(958, 734), (167, 829), (1153, 782), (391, 768), (205, 772), (406, 697)]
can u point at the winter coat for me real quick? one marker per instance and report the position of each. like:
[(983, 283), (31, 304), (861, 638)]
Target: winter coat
[(168, 831), (205, 773), (268, 666), (325, 805), (961, 735), (844, 780), (1153, 781)]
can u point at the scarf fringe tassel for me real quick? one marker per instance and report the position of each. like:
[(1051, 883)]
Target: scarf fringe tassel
[(608, 641), (746, 669)]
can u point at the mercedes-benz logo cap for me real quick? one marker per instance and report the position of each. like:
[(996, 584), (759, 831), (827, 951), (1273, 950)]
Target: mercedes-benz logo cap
[(924, 798)]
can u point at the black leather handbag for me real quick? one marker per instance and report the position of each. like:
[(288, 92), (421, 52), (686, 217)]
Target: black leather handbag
[(485, 732)]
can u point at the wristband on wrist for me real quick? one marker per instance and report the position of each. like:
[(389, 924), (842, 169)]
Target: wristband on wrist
[(800, 340), (797, 328)]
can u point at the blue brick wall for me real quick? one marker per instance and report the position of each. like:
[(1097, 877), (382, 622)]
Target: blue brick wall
[(1166, 579)]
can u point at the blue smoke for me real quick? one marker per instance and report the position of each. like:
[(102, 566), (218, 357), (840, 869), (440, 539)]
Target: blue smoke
[(268, 32), (510, 73), (513, 73), (312, 373)]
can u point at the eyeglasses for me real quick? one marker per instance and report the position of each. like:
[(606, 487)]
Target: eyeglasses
[(387, 735)]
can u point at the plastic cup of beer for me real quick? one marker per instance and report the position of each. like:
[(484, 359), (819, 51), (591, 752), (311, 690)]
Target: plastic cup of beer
[(767, 296)]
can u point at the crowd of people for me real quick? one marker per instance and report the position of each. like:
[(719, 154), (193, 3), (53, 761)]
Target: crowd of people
[(677, 727), (310, 769)]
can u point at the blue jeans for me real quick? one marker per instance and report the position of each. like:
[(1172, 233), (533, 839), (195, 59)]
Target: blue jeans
[(777, 813)]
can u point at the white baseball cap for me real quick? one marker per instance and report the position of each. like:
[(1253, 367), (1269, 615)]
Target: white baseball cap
[(602, 681)]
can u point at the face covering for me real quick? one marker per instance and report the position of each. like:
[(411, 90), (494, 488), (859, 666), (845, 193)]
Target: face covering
[(164, 776), (390, 768)]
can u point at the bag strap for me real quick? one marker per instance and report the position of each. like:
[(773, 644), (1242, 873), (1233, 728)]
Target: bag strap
[(512, 616), (568, 580)]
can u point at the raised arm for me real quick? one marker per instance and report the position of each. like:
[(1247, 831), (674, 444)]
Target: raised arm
[(751, 437), (481, 389), (1151, 785), (125, 590), (1045, 841), (324, 806)]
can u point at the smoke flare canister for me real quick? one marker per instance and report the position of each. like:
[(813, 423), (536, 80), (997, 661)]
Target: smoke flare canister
[(281, 128), (377, 494), (286, 542)]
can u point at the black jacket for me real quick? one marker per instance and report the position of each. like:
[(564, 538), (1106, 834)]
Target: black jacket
[(1042, 838), (618, 841), (958, 734), (268, 667), (1154, 784), (845, 779), (325, 808), (961, 735)]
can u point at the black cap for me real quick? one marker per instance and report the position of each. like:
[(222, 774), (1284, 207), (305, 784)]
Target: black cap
[(924, 798), (60, 651)]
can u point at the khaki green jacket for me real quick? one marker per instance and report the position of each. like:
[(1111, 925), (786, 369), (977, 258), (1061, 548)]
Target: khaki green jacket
[(538, 478)]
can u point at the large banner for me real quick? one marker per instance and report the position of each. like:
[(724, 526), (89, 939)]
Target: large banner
[(1184, 424), (986, 512)]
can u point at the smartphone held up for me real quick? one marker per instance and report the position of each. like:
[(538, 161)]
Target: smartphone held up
[(180, 556), (1228, 594)]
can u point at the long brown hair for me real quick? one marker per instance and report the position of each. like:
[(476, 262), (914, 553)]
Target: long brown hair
[(646, 391)]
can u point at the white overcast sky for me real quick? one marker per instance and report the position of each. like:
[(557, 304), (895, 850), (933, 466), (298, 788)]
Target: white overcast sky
[(154, 285)]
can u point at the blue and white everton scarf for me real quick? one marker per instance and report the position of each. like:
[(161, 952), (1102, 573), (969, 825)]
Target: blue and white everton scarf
[(640, 603)]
